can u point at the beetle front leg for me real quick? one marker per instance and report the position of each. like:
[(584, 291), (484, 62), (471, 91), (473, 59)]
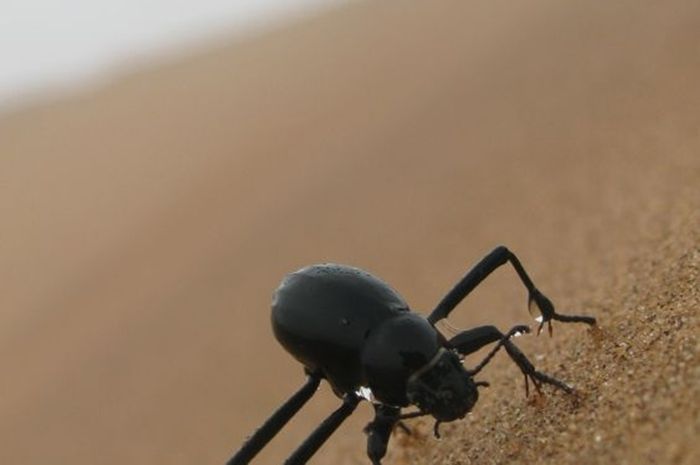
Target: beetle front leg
[(538, 303), (379, 430), (471, 340), (530, 373)]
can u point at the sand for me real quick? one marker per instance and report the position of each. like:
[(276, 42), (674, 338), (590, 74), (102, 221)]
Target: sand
[(145, 225)]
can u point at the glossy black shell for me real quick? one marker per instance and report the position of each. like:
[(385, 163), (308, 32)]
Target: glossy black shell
[(353, 328)]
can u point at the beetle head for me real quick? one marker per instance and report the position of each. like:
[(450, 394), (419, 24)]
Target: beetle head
[(443, 387)]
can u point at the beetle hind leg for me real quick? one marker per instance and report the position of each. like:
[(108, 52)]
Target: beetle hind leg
[(321, 434), (274, 424)]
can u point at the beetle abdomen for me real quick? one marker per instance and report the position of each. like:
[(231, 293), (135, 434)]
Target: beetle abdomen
[(322, 314)]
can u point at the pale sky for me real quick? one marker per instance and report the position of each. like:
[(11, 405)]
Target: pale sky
[(46, 45)]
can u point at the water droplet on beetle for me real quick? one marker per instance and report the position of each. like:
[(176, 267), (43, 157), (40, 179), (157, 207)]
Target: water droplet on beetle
[(365, 393)]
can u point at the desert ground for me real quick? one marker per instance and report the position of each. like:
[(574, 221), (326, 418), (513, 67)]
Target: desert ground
[(146, 223)]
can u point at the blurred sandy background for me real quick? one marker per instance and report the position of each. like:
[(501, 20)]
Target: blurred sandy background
[(144, 225)]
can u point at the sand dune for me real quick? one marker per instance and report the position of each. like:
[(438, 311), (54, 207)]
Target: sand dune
[(145, 225)]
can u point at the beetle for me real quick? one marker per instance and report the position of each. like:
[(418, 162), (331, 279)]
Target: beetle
[(350, 328)]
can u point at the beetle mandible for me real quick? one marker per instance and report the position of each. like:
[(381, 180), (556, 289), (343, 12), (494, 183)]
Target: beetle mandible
[(353, 330)]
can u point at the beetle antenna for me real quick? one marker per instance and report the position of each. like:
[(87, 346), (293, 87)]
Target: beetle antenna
[(449, 327)]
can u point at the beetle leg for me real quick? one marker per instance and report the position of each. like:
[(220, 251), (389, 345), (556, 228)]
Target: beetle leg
[(275, 423), (436, 429), (379, 430), (471, 340), (404, 427), (528, 369), (474, 339), (537, 302), (527, 386), (321, 434)]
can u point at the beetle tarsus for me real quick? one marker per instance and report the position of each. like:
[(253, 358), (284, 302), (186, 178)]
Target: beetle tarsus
[(403, 427), (545, 378), (527, 386), (379, 430), (549, 314), (549, 327), (436, 429), (589, 320)]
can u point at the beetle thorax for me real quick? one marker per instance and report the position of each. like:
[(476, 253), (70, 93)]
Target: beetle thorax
[(395, 350)]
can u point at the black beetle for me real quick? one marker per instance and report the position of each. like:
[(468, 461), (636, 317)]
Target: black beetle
[(350, 328)]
